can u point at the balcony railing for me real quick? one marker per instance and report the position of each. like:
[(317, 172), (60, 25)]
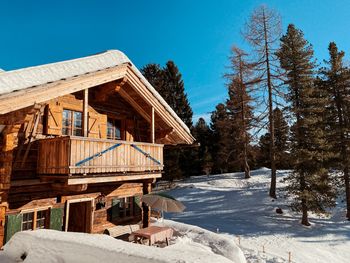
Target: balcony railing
[(71, 155)]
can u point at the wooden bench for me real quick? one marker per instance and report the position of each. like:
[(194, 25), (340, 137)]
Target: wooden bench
[(117, 231)]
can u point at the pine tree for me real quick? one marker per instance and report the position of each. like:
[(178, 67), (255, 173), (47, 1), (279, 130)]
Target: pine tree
[(204, 162), (222, 139), (336, 80), (239, 105), (168, 82), (281, 142), (310, 181), (281, 139), (155, 75), (174, 93), (262, 32)]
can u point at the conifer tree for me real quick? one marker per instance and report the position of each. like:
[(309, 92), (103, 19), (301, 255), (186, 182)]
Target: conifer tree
[(336, 81), (202, 133), (281, 142), (239, 106), (281, 139), (310, 181), (222, 138), (168, 82), (155, 75), (174, 93), (262, 32)]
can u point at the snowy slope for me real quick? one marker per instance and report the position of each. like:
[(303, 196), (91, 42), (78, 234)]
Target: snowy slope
[(190, 244), (235, 206)]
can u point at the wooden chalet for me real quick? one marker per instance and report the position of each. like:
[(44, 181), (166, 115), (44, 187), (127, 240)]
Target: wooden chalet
[(81, 141)]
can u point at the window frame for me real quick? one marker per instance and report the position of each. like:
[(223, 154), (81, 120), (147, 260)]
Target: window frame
[(34, 220), (114, 121), (72, 128)]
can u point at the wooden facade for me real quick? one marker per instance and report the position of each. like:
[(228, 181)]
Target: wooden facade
[(77, 154)]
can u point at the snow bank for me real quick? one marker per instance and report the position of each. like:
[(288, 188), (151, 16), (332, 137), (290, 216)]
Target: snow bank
[(52, 246), (218, 244)]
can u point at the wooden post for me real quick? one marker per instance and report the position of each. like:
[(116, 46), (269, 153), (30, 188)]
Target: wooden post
[(146, 211), (152, 126), (289, 257), (85, 113)]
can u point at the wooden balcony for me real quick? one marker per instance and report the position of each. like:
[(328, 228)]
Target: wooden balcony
[(81, 156)]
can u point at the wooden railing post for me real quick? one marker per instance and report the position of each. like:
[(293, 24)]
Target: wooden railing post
[(152, 126), (86, 113)]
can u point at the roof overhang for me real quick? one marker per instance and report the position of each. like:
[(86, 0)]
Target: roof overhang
[(18, 99)]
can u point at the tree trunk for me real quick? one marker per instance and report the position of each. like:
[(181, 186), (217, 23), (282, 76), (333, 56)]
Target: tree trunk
[(347, 191), (305, 218), (271, 124), (246, 169)]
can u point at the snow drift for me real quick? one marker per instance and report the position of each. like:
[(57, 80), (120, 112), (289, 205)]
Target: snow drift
[(191, 244)]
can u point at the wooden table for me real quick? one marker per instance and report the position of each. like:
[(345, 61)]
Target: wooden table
[(153, 234)]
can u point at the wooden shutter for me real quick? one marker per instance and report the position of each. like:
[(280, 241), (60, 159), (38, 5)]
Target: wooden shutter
[(56, 218), (103, 126), (93, 125), (54, 114), (13, 225), (137, 205), (115, 209)]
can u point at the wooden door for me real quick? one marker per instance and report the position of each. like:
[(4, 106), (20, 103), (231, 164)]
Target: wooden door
[(80, 217)]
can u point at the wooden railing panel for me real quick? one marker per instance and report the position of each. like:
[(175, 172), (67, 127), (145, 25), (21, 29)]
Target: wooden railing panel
[(61, 156)]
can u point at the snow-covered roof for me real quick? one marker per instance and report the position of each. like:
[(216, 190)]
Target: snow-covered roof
[(21, 79)]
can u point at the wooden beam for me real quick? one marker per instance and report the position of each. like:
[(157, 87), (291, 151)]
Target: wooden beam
[(85, 113), (105, 179), (134, 104), (152, 125)]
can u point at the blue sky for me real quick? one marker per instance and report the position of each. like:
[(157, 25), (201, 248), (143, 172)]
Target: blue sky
[(197, 35)]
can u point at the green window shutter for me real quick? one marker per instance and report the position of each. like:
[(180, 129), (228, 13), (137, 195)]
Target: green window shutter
[(13, 225), (115, 208), (56, 218), (137, 205)]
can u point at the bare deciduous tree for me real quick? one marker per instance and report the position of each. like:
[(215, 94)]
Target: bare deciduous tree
[(263, 31)]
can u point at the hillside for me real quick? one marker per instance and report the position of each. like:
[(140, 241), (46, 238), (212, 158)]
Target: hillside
[(235, 206)]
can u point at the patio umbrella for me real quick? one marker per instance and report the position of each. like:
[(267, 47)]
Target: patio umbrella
[(163, 202)]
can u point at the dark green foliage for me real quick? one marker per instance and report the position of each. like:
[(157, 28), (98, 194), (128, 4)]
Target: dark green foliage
[(222, 139), (203, 162), (282, 146), (336, 82), (168, 82), (310, 182)]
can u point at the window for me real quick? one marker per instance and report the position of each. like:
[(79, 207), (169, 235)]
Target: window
[(41, 217), (113, 129), (35, 220), (126, 206), (72, 123), (27, 221)]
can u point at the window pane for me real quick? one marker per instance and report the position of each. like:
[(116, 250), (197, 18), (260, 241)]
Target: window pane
[(78, 123), (117, 127), (66, 122), (41, 219), (27, 221)]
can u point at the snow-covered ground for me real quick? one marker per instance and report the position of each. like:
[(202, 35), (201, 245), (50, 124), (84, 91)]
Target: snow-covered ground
[(240, 208), (190, 244)]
